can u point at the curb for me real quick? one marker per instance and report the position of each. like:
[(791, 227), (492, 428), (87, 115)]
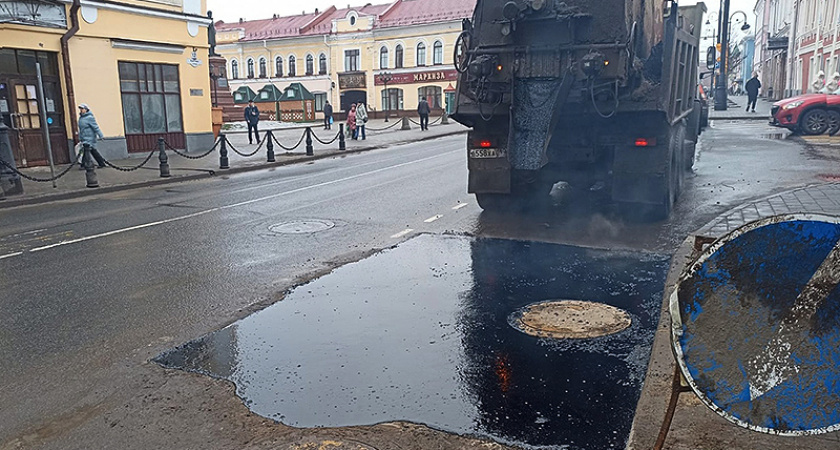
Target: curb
[(46, 198), (750, 117)]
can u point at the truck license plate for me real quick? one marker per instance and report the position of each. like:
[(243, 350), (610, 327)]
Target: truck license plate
[(486, 153)]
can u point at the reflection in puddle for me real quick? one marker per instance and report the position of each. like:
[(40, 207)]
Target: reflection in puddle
[(777, 136), (420, 333)]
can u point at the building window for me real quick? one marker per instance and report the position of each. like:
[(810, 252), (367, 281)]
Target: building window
[(352, 20), (392, 99), (292, 68), (250, 68), (322, 64), (421, 54), (351, 60), (398, 57), (438, 53), (151, 98), (310, 65), (234, 69), (432, 94), (320, 99), (262, 68), (278, 66), (383, 57)]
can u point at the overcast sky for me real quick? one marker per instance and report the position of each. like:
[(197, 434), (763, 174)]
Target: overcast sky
[(232, 10)]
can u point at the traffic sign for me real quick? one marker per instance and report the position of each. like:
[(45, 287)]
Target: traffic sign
[(755, 325)]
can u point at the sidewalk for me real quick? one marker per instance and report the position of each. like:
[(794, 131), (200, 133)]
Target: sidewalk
[(695, 426), (737, 109), (182, 169)]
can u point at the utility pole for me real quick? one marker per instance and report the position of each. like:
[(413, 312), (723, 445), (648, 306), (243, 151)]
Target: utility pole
[(792, 51), (723, 30)]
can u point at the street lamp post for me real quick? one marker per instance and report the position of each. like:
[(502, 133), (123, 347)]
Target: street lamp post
[(724, 22), (385, 78)]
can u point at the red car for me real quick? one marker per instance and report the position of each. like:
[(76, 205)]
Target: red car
[(808, 114)]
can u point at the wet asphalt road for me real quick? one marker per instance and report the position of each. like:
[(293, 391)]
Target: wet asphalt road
[(94, 288)]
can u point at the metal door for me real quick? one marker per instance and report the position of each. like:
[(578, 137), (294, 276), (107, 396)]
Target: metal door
[(20, 111)]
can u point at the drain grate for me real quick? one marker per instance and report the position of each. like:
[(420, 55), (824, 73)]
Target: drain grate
[(301, 226), (570, 319)]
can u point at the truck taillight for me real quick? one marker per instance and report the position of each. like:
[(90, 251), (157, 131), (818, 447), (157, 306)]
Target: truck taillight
[(645, 142), (485, 144)]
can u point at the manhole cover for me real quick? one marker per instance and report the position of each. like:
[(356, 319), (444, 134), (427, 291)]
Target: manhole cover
[(570, 319), (301, 226)]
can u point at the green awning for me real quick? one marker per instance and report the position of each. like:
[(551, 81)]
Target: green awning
[(296, 91), (243, 94), (269, 93)]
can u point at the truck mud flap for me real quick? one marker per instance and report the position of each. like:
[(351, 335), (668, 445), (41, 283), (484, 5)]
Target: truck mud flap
[(534, 113)]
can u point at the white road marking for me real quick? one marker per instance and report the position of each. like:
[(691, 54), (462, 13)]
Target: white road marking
[(774, 365), (433, 218), (402, 233), (10, 255), (458, 206), (233, 205)]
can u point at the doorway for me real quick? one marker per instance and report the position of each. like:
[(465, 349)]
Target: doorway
[(350, 97)]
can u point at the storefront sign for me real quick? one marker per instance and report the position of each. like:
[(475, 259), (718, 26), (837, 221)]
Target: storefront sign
[(420, 77), (354, 80), (196, 92)]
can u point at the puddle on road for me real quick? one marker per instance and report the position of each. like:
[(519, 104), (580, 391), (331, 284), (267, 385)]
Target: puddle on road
[(420, 333), (777, 136)]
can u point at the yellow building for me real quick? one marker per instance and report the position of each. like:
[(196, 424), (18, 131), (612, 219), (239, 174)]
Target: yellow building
[(141, 66), (387, 55)]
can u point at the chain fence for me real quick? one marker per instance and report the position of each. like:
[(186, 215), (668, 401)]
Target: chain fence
[(330, 142), (289, 149), (184, 155), (396, 122), (430, 123), (43, 180), (133, 168)]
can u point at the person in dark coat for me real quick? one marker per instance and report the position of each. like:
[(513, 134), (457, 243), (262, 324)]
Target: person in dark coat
[(752, 87), (423, 110), (88, 132), (328, 112), (252, 118)]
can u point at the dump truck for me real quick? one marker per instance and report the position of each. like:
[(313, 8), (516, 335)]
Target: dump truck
[(599, 94)]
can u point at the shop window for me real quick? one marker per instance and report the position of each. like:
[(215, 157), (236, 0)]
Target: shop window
[(322, 64), (310, 65), (421, 54), (351, 60), (151, 98), (398, 57), (320, 99), (278, 66), (438, 53), (22, 62), (432, 94), (262, 68), (250, 68), (234, 69), (392, 99), (383, 57), (292, 64)]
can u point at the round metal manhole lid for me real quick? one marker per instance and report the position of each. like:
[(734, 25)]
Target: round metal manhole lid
[(301, 226), (570, 319)]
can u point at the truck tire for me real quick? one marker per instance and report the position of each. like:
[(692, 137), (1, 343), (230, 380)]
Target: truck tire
[(813, 122), (690, 149)]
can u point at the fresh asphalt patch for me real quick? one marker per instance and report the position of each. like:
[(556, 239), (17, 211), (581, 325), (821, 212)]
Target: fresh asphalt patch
[(422, 333)]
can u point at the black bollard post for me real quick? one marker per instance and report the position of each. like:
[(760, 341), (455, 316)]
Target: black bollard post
[(164, 160), (444, 119), (224, 163), (342, 145), (10, 182), (405, 124), (269, 145), (90, 172), (309, 151)]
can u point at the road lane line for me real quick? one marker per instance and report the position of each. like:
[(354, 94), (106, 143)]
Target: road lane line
[(10, 255), (402, 233), (433, 218), (233, 205), (458, 206)]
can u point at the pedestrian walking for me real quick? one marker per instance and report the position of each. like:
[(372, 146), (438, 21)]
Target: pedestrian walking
[(328, 116), (361, 120), (88, 132), (252, 118), (752, 86), (351, 122), (423, 110)]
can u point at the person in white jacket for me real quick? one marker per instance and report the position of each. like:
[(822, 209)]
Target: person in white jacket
[(361, 120)]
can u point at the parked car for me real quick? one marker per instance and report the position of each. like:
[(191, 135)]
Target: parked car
[(808, 114)]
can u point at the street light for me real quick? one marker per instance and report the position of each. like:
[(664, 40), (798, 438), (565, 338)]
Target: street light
[(723, 29), (385, 78)]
